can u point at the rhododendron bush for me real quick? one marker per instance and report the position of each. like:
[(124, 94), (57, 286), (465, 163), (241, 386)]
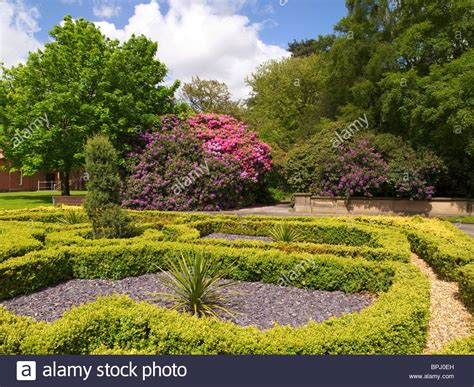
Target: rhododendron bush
[(205, 162), (359, 170), (369, 165)]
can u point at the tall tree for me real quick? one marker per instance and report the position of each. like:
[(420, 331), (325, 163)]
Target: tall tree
[(81, 83), (307, 47), (287, 100), (210, 96)]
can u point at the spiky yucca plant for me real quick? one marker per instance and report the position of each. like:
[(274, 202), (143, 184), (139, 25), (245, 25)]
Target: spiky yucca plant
[(72, 217), (194, 284), (284, 232)]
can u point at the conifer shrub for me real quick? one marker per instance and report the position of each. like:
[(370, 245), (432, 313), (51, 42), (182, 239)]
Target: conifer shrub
[(102, 202)]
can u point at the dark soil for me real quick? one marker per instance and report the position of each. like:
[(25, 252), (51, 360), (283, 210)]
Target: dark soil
[(257, 303)]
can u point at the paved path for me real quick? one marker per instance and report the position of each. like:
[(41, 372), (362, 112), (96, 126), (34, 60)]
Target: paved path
[(283, 209), (466, 227)]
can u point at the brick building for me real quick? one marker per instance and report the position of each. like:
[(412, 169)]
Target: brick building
[(16, 181)]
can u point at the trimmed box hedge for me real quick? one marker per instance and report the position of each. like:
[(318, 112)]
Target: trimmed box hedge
[(463, 346), (395, 324), (349, 254), (38, 269), (17, 239)]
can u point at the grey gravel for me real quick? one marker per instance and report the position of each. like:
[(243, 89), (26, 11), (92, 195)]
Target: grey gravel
[(257, 303), (234, 237)]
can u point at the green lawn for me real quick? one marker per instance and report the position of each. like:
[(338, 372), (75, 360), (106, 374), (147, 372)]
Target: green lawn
[(460, 219), (14, 200)]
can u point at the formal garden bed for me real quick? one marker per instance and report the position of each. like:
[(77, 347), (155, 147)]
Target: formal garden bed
[(332, 259), (252, 303)]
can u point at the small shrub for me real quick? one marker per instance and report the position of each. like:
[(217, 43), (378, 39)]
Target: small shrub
[(194, 284)]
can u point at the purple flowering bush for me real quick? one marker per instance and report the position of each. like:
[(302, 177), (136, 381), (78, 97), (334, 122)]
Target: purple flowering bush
[(358, 170), (369, 165), (175, 171)]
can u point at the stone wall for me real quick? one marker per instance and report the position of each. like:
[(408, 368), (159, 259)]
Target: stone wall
[(381, 206)]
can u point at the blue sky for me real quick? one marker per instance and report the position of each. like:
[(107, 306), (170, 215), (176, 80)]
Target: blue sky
[(297, 19), (219, 39)]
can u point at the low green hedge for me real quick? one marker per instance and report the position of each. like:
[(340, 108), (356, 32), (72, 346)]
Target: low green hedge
[(179, 233), (466, 285), (13, 330), (448, 250), (38, 269), (358, 252), (326, 231), (18, 238), (439, 243), (38, 214), (81, 235), (22, 275), (395, 324), (463, 346)]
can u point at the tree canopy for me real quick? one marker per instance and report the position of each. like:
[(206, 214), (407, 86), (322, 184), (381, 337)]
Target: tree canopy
[(80, 84), (210, 96), (405, 65)]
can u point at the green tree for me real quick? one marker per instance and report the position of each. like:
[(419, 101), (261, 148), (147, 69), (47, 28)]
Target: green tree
[(81, 83), (287, 100), (210, 96), (102, 202), (307, 47), (407, 65)]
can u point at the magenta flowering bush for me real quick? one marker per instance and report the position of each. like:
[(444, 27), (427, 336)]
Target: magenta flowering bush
[(358, 170), (225, 137), (206, 162)]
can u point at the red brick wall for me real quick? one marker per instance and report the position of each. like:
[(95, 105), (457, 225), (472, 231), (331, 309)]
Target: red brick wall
[(12, 181)]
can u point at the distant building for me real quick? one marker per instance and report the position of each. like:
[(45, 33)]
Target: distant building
[(40, 181)]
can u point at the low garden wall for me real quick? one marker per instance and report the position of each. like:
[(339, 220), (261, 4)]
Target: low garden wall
[(68, 200), (305, 202)]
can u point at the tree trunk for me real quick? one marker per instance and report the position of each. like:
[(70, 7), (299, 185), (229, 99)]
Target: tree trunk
[(65, 183)]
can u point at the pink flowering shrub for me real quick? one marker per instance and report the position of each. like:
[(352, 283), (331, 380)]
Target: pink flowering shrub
[(207, 162), (225, 137)]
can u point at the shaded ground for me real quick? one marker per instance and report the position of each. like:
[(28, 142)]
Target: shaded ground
[(256, 304), (449, 319)]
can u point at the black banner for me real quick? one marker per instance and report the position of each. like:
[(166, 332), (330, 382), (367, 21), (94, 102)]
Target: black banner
[(291, 371)]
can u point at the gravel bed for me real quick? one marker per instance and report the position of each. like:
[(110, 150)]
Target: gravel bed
[(449, 318), (234, 237), (257, 303)]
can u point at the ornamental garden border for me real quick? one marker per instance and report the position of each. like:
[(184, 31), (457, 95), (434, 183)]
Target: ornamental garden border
[(368, 261)]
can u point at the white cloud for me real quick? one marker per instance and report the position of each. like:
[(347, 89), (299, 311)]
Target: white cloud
[(17, 27), (205, 38), (106, 9)]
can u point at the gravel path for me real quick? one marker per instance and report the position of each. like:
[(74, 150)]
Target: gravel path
[(234, 237), (449, 317), (257, 304)]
